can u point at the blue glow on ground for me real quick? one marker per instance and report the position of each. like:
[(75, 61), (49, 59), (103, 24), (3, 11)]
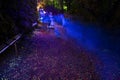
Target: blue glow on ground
[(85, 35), (95, 39)]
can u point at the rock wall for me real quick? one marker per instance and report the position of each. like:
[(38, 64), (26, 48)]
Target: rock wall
[(16, 16)]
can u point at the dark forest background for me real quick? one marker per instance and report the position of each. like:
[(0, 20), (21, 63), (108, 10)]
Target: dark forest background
[(17, 16)]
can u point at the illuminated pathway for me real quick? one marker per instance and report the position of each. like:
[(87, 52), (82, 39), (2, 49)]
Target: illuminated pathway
[(46, 56)]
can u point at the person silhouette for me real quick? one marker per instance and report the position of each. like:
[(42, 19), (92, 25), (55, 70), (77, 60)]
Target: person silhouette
[(51, 20)]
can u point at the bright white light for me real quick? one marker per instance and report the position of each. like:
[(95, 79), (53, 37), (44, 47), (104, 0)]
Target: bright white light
[(44, 12), (41, 18)]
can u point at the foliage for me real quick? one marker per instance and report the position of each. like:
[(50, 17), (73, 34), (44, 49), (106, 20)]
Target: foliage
[(16, 17), (6, 28), (93, 10)]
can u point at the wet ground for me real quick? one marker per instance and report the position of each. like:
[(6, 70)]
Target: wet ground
[(49, 55)]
